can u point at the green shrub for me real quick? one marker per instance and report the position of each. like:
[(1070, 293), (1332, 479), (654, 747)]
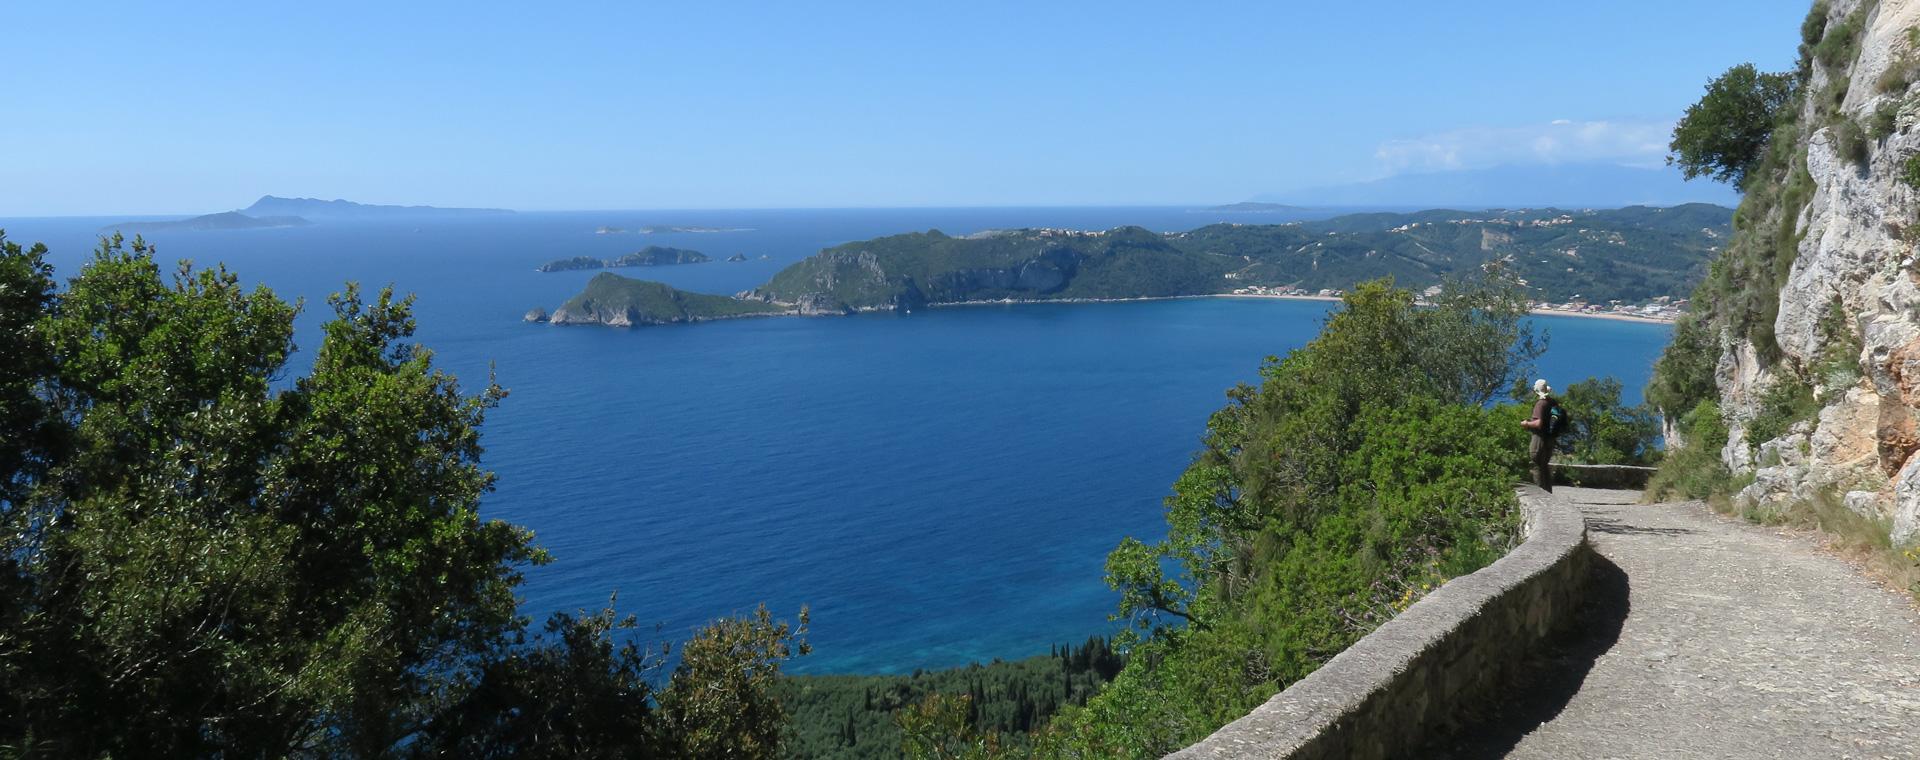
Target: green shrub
[(1362, 472), (1604, 432), (1786, 401), (1840, 44), (1884, 121), (1692, 468), (1910, 171), (1850, 141), (1814, 26)]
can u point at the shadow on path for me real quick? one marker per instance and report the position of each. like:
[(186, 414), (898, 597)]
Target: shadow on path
[(1604, 525), (1545, 682)]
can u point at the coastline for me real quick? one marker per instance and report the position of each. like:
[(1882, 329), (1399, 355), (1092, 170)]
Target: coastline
[(1023, 301)]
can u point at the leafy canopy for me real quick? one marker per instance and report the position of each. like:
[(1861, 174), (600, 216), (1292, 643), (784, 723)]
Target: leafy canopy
[(202, 561), (1725, 134)]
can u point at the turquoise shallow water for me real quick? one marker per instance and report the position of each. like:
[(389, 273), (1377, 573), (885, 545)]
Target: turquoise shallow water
[(940, 487)]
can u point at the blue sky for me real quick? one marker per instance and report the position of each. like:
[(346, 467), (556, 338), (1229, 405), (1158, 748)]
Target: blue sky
[(196, 107)]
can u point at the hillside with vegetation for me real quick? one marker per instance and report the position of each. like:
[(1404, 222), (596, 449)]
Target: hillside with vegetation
[(1789, 392), (610, 299), (1631, 255), (205, 557), (650, 256)]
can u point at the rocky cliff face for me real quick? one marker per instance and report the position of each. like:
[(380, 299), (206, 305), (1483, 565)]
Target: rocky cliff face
[(1847, 331)]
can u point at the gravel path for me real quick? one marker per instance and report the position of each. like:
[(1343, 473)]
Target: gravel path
[(1711, 637)]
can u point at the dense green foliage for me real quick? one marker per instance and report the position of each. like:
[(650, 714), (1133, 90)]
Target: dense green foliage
[(849, 717), (612, 299), (1693, 469), (649, 256), (1725, 134), (1362, 472), (931, 267), (203, 560), (1604, 432), (1633, 254)]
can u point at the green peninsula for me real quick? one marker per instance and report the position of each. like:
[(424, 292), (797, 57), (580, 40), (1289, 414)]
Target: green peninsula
[(1631, 255), (650, 256), (621, 302)]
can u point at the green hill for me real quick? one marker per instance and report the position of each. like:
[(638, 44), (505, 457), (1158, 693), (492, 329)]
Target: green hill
[(1632, 255), (620, 301), (650, 256)]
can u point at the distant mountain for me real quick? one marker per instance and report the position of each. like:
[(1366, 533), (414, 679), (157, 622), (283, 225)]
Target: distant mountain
[(315, 208), (1259, 208), (1563, 185), (228, 220)]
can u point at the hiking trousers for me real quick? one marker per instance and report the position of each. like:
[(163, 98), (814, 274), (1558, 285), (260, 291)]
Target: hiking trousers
[(1541, 452)]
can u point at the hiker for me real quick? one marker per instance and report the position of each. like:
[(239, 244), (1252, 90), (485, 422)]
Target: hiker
[(1540, 451)]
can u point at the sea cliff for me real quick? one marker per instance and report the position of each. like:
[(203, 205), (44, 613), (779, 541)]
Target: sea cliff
[(1808, 335)]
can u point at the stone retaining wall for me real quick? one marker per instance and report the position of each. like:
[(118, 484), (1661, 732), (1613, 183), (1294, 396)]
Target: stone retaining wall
[(1385, 696), (1602, 475)]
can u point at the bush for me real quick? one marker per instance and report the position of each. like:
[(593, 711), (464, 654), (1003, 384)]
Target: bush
[(1785, 402), (1884, 121), (1364, 471), (1692, 468), (1604, 432), (1839, 45), (1850, 141)]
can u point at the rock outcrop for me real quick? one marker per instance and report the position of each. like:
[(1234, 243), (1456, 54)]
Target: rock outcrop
[(1852, 283)]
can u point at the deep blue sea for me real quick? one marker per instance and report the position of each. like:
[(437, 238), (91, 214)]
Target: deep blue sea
[(940, 487)]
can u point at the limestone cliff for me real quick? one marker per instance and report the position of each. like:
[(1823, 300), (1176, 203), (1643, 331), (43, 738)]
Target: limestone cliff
[(1819, 388)]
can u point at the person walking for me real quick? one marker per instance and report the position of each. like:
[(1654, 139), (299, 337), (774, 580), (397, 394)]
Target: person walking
[(1540, 450)]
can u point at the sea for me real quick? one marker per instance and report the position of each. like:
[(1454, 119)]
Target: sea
[(937, 488)]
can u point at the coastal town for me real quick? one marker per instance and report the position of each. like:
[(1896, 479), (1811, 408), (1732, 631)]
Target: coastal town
[(1661, 309)]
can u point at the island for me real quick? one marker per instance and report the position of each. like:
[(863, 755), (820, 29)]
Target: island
[(1251, 207), (650, 256), (228, 220), (737, 257), (314, 208), (668, 228), (608, 231), (1578, 261), (610, 299)]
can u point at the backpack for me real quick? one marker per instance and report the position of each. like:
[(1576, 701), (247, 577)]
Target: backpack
[(1558, 420)]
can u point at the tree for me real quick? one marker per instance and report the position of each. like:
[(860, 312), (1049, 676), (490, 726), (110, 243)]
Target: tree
[(1725, 134), (1370, 444), (1604, 432), (202, 561)]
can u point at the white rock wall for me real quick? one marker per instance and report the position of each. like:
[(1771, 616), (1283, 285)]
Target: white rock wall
[(1856, 248)]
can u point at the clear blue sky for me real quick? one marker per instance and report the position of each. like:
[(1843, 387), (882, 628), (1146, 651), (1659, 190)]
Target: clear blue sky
[(196, 107)]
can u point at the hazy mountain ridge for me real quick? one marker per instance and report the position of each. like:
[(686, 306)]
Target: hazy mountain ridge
[(314, 208), (225, 220)]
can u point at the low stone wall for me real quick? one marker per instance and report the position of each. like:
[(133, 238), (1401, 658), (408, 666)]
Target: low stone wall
[(1602, 475), (1386, 695)]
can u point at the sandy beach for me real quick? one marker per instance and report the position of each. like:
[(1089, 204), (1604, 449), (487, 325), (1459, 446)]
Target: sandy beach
[(1542, 312)]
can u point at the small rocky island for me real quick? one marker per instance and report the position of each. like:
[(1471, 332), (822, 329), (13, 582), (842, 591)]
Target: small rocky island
[(650, 256), (610, 299), (670, 228), (608, 231)]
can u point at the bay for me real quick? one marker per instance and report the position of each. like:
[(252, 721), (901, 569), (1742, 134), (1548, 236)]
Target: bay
[(940, 487)]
